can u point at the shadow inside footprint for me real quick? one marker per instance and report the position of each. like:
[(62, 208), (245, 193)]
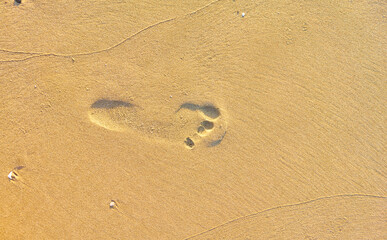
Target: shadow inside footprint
[(208, 110), (189, 106), (208, 125), (217, 142), (109, 104)]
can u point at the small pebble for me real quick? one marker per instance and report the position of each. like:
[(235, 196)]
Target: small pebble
[(170, 96), (243, 14), (112, 204)]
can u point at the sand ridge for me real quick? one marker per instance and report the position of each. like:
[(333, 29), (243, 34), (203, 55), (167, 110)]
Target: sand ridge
[(304, 218), (71, 56)]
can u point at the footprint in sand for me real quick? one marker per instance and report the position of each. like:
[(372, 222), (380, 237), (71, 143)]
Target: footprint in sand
[(191, 124)]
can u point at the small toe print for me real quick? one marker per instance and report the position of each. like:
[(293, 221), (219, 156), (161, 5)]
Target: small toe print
[(210, 111), (189, 143), (201, 130), (208, 125)]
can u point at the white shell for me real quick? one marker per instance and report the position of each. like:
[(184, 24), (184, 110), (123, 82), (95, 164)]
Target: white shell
[(243, 14), (10, 175), (112, 204)]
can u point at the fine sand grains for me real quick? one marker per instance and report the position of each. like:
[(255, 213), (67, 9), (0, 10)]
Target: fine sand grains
[(177, 119)]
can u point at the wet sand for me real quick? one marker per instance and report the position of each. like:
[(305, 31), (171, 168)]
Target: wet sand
[(185, 120)]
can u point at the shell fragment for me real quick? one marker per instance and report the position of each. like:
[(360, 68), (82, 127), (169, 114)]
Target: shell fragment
[(10, 176)]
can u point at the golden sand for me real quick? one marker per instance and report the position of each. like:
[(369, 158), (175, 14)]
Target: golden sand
[(185, 120)]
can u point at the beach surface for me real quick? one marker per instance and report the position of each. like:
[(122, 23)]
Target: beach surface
[(226, 119)]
